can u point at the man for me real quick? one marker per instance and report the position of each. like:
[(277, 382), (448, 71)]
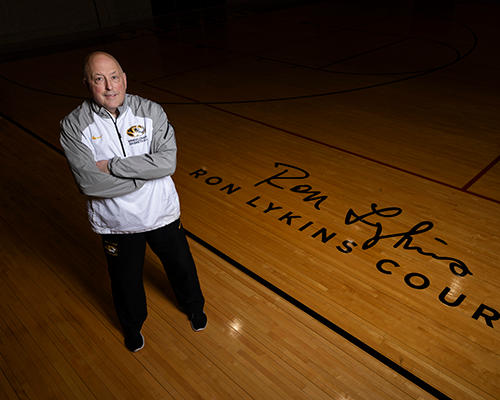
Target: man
[(122, 152)]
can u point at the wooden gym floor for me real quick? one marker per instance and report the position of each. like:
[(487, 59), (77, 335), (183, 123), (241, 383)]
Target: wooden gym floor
[(340, 181)]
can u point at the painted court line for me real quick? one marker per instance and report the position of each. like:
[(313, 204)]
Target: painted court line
[(326, 322), (463, 189)]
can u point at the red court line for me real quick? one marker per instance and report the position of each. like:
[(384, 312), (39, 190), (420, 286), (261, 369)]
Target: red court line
[(481, 174), (463, 189)]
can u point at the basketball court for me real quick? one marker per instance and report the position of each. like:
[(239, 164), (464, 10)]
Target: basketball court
[(339, 177)]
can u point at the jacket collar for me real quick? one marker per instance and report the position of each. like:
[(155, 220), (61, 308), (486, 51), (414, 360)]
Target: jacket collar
[(102, 112)]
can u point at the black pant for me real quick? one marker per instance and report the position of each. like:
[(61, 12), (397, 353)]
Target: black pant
[(125, 254)]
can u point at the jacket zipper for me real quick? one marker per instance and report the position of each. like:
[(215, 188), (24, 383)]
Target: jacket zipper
[(119, 136)]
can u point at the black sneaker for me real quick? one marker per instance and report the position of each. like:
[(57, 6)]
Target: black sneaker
[(135, 342), (198, 321)]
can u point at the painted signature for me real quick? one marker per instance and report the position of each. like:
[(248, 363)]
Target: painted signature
[(457, 267)]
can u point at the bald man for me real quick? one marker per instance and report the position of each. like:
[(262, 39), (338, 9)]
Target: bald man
[(121, 150)]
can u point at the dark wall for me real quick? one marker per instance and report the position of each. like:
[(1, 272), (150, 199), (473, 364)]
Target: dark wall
[(162, 7)]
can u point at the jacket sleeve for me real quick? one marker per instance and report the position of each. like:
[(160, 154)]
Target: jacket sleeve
[(162, 159), (89, 179)]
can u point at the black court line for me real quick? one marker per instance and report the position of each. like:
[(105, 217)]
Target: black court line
[(314, 95), (366, 52), (463, 189), (413, 74), (37, 137), (324, 321), (309, 311)]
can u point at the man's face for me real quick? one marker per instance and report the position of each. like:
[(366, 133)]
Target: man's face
[(106, 82)]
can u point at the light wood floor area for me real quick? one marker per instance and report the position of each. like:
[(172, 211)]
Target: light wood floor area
[(339, 176)]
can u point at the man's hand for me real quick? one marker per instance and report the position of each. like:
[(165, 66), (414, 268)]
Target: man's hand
[(103, 166)]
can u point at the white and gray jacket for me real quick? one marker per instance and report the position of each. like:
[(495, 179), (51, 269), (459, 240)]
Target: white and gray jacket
[(139, 194)]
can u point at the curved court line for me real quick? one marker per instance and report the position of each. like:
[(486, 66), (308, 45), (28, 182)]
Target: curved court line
[(458, 58), (308, 96), (294, 65), (322, 68), (423, 72)]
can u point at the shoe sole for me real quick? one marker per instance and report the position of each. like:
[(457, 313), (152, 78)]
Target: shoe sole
[(199, 329), (143, 343)]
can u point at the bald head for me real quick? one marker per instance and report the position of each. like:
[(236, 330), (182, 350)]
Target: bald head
[(105, 80), (97, 56)]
